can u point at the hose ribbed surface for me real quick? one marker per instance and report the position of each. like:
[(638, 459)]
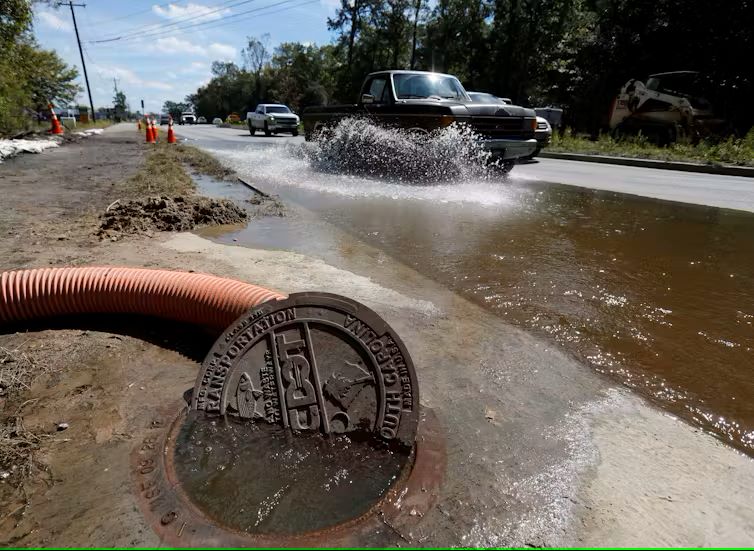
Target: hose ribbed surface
[(199, 299)]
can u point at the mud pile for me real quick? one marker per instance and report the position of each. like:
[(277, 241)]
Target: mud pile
[(356, 146), (168, 214)]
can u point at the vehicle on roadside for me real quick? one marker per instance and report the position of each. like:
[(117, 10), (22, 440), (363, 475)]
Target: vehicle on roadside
[(272, 118), (233, 118), (187, 117), (424, 101), (217, 120), (543, 133), (164, 118), (669, 107), (201, 120)]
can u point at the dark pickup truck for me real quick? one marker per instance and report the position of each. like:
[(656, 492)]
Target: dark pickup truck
[(424, 101)]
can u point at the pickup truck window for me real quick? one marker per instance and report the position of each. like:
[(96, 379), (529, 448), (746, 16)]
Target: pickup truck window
[(277, 109), (378, 89), (413, 86)]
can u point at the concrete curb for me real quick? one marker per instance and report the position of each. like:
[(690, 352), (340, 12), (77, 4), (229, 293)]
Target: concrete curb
[(723, 170)]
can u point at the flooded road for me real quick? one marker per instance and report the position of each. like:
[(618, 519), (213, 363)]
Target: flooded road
[(657, 295)]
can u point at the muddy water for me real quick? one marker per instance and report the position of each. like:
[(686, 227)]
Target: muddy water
[(657, 295), (258, 478)]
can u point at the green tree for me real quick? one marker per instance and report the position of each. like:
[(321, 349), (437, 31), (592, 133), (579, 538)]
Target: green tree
[(15, 19), (174, 109), (120, 106), (30, 78)]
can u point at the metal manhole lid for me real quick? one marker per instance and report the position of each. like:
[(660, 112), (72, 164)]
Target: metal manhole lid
[(312, 362)]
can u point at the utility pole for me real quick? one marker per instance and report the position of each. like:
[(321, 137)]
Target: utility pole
[(81, 53)]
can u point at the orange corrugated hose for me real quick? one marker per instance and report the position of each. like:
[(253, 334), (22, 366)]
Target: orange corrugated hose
[(199, 299)]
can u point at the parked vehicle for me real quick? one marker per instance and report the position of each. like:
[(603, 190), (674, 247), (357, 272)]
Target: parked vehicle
[(201, 120), (164, 118), (187, 117), (543, 133), (424, 101), (668, 108), (272, 118), (217, 120), (233, 117)]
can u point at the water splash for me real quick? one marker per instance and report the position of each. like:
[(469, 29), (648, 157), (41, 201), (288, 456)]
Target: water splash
[(358, 147)]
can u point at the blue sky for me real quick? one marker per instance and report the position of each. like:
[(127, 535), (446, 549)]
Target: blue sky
[(169, 61)]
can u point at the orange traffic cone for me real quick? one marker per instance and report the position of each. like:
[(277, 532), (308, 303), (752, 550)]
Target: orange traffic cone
[(171, 134), (155, 134), (149, 135), (56, 128), (138, 124)]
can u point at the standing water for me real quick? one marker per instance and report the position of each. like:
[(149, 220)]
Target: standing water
[(260, 479), (657, 295)]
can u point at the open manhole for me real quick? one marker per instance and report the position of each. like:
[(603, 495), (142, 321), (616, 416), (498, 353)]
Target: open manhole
[(302, 428)]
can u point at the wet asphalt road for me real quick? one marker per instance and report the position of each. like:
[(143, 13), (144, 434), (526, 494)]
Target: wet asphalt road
[(732, 192), (656, 294)]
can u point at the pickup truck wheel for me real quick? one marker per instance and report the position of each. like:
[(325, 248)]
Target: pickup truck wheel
[(295, 132), (267, 130), (252, 130)]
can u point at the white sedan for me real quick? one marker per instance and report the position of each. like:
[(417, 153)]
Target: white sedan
[(272, 118)]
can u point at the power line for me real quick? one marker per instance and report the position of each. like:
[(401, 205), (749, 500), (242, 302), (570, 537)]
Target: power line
[(120, 17), (226, 4), (223, 21), (158, 27)]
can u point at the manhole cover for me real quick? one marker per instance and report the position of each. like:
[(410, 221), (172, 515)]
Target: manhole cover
[(303, 424), (312, 362)]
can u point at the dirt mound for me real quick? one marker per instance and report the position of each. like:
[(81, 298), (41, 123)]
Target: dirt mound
[(168, 214)]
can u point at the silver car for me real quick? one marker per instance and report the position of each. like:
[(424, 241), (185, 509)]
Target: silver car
[(543, 133)]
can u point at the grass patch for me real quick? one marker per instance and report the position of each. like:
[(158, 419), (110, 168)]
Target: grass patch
[(201, 162), (733, 151), (99, 123), (164, 172), (44, 126)]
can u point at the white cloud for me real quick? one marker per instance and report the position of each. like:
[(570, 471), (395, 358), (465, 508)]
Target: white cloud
[(54, 22), (174, 11), (173, 45), (194, 67), (223, 51), (129, 78)]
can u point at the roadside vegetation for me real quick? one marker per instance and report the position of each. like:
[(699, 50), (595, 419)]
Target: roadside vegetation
[(732, 151), (30, 77), (99, 123), (164, 171)]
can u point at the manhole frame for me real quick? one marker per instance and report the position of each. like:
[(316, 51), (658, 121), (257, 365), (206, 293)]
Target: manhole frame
[(180, 523)]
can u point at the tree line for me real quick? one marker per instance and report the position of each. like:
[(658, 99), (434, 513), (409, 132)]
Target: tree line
[(573, 54), (30, 77)]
